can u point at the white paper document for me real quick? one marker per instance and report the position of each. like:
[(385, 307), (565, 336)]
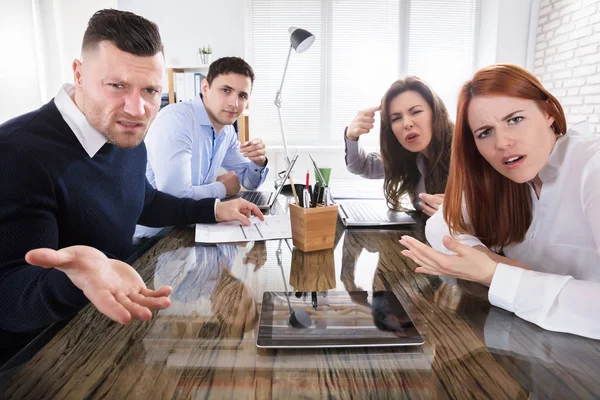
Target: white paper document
[(273, 227)]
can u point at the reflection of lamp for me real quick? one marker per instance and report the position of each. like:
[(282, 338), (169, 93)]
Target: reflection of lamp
[(298, 318), (300, 40)]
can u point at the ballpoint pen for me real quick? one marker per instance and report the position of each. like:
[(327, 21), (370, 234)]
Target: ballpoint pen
[(306, 193), (315, 194), (320, 195), (326, 198), (314, 300), (309, 187)]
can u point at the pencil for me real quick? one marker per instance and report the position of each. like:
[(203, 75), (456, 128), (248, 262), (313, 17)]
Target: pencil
[(294, 190)]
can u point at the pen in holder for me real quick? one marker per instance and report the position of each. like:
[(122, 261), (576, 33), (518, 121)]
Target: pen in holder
[(306, 198), (313, 228)]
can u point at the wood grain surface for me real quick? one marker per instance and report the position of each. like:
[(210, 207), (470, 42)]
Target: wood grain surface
[(204, 345)]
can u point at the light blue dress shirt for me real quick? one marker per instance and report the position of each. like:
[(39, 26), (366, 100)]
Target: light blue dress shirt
[(185, 155)]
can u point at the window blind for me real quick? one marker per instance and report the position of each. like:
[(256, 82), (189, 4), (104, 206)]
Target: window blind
[(360, 49)]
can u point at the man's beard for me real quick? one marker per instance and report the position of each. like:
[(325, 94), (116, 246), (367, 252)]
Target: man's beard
[(116, 138), (113, 138)]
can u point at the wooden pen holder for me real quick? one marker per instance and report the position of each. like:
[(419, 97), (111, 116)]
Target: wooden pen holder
[(313, 228)]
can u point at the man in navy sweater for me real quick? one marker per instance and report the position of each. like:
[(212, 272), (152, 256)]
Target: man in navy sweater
[(73, 187)]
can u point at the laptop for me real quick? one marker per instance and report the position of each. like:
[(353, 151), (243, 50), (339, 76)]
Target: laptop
[(264, 200), (336, 319), (366, 212)]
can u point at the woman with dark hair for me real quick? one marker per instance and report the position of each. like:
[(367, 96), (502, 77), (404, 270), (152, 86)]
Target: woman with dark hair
[(415, 138), (522, 185)]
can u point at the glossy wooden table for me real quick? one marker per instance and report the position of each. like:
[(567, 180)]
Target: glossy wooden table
[(204, 345)]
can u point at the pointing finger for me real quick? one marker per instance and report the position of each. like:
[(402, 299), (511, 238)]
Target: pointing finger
[(372, 110), (256, 211)]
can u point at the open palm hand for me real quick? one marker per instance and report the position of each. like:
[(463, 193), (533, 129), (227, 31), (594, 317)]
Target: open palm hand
[(113, 287)]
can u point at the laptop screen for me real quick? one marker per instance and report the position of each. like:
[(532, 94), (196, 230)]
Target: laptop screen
[(283, 176)]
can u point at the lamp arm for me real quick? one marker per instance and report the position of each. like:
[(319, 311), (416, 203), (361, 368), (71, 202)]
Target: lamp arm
[(287, 61), (278, 105), (287, 156)]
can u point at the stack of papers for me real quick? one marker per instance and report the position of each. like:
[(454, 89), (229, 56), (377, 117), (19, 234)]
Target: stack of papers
[(273, 227)]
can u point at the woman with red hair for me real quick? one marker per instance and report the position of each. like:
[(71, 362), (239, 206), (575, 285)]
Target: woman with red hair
[(520, 185)]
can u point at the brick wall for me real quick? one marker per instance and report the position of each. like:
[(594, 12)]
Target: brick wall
[(567, 56)]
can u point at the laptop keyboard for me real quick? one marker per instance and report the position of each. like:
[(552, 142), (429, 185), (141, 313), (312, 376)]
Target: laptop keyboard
[(362, 212), (258, 198)]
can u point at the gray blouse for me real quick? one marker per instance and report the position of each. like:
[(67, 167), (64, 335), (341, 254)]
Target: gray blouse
[(370, 166)]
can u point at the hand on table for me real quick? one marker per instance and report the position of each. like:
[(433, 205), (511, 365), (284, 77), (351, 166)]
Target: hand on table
[(238, 209)]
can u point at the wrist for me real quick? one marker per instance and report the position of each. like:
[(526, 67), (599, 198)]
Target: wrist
[(218, 204), (487, 280), (349, 135), (352, 138)]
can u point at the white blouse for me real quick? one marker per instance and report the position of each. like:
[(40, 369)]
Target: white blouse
[(561, 292)]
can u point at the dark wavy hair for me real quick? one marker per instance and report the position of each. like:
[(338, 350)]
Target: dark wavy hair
[(229, 65), (400, 165), (127, 31)]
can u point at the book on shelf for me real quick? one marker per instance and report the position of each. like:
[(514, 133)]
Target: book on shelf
[(187, 85)]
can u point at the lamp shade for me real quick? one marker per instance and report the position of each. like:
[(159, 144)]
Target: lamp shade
[(300, 39)]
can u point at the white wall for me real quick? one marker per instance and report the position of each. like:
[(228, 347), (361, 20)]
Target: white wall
[(186, 25), (19, 87), (504, 32), (61, 28), (39, 40), (567, 57), (513, 31)]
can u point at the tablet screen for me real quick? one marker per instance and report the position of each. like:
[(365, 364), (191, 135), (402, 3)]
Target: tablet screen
[(337, 319)]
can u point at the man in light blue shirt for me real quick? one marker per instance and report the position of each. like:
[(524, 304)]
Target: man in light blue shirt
[(190, 141)]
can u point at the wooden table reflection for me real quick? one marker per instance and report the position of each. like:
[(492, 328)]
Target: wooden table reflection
[(204, 345)]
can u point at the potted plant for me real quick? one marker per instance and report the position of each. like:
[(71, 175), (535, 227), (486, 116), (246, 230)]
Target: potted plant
[(205, 54)]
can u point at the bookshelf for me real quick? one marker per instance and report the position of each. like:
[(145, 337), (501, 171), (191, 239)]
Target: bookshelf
[(243, 120), (172, 69)]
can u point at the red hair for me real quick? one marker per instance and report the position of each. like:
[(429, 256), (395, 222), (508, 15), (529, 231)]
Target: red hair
[(499, 210)]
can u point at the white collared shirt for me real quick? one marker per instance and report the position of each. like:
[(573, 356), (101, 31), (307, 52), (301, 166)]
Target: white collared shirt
[(90, 138), (561, 292)]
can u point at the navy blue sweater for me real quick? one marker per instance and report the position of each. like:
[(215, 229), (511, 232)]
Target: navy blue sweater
[(52, 194)]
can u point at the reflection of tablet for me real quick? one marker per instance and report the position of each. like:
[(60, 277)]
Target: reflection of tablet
[(342, 319)]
